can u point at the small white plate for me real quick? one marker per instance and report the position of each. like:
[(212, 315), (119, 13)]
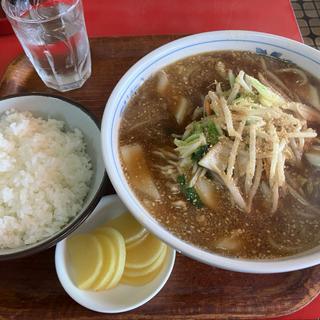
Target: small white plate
[(123, 297)]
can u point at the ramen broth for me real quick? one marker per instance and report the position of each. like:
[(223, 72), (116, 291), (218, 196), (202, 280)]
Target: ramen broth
[(146, 144)]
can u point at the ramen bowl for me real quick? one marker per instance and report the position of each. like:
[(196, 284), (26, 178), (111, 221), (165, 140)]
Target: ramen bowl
[(261, 43)]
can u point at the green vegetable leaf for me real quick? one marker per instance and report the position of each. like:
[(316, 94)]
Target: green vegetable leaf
[(196, 143), (192, 196), (199, 153), (181, 180), (189, 192), (197, 127), (188, 146), (211, 132), (208, 127)]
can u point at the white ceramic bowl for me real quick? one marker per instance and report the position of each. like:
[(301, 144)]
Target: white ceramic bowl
[(75, 116), (123, 297), (262, 43)]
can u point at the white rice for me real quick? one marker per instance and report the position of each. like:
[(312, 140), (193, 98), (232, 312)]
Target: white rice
[(45, 174)]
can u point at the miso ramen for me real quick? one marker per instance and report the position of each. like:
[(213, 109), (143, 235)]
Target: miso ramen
[(222, 149)]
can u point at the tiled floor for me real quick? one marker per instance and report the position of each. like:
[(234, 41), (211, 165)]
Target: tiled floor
[(308, 15)]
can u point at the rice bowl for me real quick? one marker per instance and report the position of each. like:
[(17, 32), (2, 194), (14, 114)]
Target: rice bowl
[(60, 216), (43, 185)]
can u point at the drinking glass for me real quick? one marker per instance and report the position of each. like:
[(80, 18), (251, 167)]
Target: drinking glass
[(54, 37)]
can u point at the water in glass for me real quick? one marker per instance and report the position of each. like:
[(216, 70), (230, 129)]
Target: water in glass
[(54, 37)]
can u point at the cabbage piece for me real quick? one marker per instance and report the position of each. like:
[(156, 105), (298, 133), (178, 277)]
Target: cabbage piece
[(313, 157), (137, 168), (230, 243), (240, 79), (267, 96), (217, 158), (188, 146), (208, 192), (182, 109), (215, 161)]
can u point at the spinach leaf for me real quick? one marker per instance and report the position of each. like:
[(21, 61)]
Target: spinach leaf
[(199, 153), (189, 192)]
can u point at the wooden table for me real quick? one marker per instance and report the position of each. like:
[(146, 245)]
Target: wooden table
[(30, 288)]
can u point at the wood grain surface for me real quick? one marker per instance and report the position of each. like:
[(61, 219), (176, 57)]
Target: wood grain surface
[(29, 286)]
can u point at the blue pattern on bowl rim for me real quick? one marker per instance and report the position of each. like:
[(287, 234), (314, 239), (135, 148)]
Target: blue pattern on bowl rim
[(274, 54)]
